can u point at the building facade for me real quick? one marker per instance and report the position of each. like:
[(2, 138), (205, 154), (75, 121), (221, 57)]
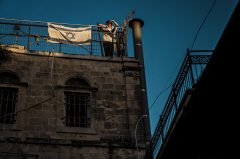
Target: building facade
[(70, 106)]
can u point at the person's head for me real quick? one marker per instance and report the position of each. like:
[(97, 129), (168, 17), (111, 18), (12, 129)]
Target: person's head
[(109, 23)]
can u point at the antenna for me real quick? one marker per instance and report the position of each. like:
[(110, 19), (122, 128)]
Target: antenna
[(125, 27)]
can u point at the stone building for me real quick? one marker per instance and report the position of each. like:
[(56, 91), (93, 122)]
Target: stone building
[(70, 106)]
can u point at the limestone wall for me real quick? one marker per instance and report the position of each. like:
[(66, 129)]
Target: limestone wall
[(115, 102)]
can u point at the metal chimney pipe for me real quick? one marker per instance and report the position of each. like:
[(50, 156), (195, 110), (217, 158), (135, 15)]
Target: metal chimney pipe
[(136, 25)]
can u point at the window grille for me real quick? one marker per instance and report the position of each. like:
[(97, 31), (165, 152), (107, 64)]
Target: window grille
[(8, 105), (77, 109)]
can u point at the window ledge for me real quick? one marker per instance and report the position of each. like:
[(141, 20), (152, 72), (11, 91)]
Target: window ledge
[(93, 89), (24, 84), (76, 130), (13, 127)]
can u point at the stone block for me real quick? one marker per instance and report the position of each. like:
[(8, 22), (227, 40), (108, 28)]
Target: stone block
[(108, 111), (48, 128), (107, 97), (119, 111), (47, 155), (134, 118), (52, 122), (100, 79), (121, 98), (37, 93), (67, 156), (105, 138), (42, 75), (35, 121), (134, 104), (31, 113), (100, 110), (101, 117), (33, 134), (30, 99), (45, 122), (116, 92), (107, 125), (99, 97), (131, 64), (45, 135), (120, 87), (117, 65), (47, 107), (95, 73), (112, 132), (133, 98), (29, 148), (117, 126), (24, 68), (39, 128), (106, 74), (61, 70), (109, 80), (132, 80), (43, 114), (29, 128), (36, 87), (47, 93), (133, 86), (37, 81), (130, 92), (117, 138), (113, 105), (47, 87), (107, 86), (101, 92), (28, 63)]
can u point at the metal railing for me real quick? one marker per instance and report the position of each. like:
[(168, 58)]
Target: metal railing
[(190, 71), (33, 36)]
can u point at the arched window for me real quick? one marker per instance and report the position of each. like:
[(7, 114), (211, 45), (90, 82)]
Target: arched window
[(8, 77), (77, 82), (8, 99), (77, 105)]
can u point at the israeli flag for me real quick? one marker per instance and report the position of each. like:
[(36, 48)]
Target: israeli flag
[(67, 35)]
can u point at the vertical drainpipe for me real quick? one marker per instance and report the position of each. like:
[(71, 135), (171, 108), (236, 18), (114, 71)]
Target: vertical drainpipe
[(136, 25)]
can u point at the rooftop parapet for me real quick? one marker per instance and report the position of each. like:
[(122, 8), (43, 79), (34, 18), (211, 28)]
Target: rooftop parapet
[(34, 35)]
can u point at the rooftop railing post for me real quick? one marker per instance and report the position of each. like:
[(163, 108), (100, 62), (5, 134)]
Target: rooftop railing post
[(28, 37), (136, 25), (190, 65), (91, 42), (60, 47)]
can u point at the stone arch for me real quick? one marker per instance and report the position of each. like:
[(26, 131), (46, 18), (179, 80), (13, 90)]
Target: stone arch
[(18, 73), (81, 75)]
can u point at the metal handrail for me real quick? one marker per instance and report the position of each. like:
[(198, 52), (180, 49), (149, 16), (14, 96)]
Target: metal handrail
[(27, 34), (187, 78)]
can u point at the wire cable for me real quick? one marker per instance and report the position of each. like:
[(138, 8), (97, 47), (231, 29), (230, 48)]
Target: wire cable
[(203, 23), (166, 84), (145, 115), (26, 108), (52, 71)]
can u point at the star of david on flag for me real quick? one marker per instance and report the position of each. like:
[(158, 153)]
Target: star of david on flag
[(67, 35)]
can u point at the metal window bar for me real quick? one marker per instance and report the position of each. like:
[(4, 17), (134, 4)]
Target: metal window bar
[(77, 106), (8, 105), (186, 78), (33, 36)]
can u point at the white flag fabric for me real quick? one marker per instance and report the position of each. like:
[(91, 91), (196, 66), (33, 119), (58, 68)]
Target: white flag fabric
[(67, 35)]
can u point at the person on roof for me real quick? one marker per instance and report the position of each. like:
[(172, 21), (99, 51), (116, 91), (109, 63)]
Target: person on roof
[(109, 37)]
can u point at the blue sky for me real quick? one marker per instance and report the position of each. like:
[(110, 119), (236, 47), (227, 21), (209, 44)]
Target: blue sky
[(170, 27)]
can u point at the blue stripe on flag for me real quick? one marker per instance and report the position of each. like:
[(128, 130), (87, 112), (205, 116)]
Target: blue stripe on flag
[(63, 29), (69, 42)]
